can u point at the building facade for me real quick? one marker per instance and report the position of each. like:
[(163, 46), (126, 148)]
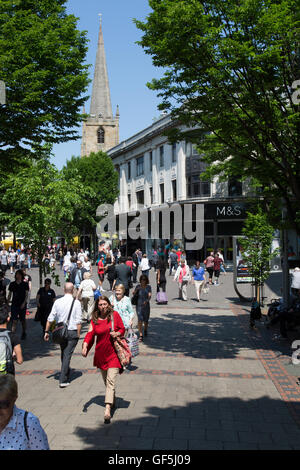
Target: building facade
[(154, 174)]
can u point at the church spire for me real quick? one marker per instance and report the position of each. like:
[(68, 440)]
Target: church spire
[(100, 101)]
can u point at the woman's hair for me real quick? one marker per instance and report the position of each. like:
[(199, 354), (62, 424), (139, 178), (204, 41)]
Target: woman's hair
[(109, 311), (19, 271), (143, 277), (129, 258), (8, 386), (161, 263), (87, 275), (120, 286), (108, 260), (145, 256)]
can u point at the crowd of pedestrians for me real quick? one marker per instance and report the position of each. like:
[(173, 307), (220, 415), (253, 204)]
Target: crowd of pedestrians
[(109, 317)]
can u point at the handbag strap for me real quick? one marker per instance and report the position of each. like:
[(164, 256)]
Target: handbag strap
[(69, 316), (112, 323)]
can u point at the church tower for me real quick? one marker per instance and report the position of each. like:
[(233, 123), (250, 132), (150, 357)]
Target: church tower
[(100, 130)]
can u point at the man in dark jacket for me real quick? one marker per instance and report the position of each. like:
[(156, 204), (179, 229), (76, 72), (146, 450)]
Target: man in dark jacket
[(123, 275), (76, 276)]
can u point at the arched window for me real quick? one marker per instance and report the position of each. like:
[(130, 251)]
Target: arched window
[(100, 135)]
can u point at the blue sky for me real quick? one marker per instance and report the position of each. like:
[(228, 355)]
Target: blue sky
[(129, 68)]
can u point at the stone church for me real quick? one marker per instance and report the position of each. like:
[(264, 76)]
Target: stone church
[(100, 130)]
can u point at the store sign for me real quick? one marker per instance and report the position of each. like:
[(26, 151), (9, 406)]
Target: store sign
[(225, 211)]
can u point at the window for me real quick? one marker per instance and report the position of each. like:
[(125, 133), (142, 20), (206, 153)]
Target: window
[(129, 201), (140, 166), (100, 135), (151, 196), (140, 197), (173, 153), (151, 160), (174, 190), (197, 188), (129, 170), (161, 156), (162, 193), (235, 187)]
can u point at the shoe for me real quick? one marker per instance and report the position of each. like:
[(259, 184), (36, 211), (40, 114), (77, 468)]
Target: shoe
[(141, 338), (64, 385), (107, 419)]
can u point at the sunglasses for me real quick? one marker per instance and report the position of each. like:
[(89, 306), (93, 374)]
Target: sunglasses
[(4, 404)]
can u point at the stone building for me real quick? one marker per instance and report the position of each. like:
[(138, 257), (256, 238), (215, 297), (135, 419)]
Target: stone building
[(100, 131)]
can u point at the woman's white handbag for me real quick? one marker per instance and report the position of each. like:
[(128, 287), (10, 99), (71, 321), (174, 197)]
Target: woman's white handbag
[(133, 342)]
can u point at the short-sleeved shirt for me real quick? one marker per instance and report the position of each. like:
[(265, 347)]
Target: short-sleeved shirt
[(46, 297), (88, 287), (13, 436), (198, 274), (19, 292)]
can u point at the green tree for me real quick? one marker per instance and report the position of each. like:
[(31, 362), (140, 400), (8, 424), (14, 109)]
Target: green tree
[(42, 57), (42, 203), (97, 174), (230, 67), (257, 248)]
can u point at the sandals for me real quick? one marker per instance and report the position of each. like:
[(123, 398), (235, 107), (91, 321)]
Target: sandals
[(141, 338)]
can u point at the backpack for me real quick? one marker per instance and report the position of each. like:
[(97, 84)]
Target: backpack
[(6, 353)]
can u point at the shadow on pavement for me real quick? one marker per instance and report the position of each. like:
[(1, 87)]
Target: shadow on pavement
[(211, 423)]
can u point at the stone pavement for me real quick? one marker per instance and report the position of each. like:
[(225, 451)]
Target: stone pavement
[(202, 380)]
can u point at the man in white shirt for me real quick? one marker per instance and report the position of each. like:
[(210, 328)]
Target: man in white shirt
[(60, 312)]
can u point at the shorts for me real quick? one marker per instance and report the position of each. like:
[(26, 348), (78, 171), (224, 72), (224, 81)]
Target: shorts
[(101, 277), (18, 313)]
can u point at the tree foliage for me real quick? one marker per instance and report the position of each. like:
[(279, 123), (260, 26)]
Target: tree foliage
[(42, 204), (230, 67), (97, 174), (42, 57), (257, 246)]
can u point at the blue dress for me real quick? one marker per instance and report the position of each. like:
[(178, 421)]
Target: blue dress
[(142, 309)]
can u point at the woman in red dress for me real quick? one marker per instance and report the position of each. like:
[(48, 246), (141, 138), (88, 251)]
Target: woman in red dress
[(105, 357)]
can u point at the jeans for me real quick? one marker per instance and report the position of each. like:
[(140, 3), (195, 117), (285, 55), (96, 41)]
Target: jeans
[(67, 349)]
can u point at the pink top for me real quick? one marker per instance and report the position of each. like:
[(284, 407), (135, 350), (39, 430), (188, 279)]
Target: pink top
[(182, 273)]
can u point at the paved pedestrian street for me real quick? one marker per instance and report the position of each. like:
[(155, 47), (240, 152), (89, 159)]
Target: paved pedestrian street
[(202, 380)]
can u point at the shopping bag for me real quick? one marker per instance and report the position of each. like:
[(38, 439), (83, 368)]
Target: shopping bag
[(161, 298), (133, 342)]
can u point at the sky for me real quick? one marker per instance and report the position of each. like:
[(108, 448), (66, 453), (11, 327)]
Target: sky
[(129, 68)]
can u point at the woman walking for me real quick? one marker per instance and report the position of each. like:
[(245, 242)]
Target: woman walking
[(144, 292), (209, 263), (110, 270), (105, 357), (161, 275), (122, 304), (145, 266), (182, 276), (199, 279), (86, 292)]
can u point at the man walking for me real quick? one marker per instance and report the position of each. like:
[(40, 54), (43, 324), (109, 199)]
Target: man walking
[(122, 275), (76, 275), (60, 312)]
